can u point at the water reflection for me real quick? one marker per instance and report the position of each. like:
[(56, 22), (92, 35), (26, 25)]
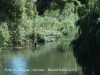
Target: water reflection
[(46, 56), (16, 66)]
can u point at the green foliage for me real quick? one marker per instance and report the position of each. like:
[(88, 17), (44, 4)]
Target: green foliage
[(1, 38), (19, 16), (10, 10), (84, 1), (4, 33), (17, 8), (25, 19), (53, 13), (51, 26), (86, 47), (42, 6)]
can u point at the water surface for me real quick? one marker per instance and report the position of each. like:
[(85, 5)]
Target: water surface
[(53, 58)]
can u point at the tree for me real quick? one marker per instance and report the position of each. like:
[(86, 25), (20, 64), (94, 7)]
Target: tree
[(86, 47)]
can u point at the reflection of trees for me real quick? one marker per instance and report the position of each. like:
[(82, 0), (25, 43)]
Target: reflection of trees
[(86, 47), (73, 73)]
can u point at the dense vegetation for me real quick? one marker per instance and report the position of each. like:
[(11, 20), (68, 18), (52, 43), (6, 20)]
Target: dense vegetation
[(47, 20), (22, 20), (86, 47)]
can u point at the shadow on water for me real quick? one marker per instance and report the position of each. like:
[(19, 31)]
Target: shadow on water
[(41, 61)]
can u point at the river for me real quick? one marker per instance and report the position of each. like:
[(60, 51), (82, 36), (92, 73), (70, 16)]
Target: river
[(52, 58)]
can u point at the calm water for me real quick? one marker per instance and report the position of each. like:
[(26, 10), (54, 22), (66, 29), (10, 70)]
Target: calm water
[(52, 58)]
